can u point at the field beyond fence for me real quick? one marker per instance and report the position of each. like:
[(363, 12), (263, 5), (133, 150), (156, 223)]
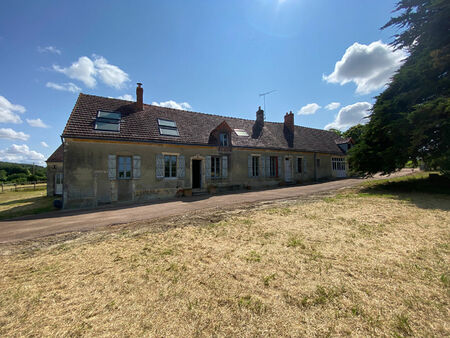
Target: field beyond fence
[(38, 185)]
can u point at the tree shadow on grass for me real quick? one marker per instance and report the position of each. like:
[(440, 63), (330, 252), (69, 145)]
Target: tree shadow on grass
[(33, 205), (426, 192)]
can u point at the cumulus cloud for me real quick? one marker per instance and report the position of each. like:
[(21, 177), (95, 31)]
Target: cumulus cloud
[(44, 144), (126, 97), (10, 134), (8, 111), (332, 106), (370, 67), (21, 154), (173, 104), (309, 109), (66, 87), (350, 115), (49, 49), (37, 123), (89, 70)]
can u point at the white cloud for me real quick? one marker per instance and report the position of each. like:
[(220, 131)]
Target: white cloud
[(21, 154), (126, 97), (173, 104), (351, 115), (68, 87), (10, 134), (332, 106), (8, 111), (44, 144), (88, 71), (309, 109), (49, 49), (370, 67), (38, 123)]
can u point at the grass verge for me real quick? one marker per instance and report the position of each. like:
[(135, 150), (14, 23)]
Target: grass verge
[(22, 203), (354, 263)]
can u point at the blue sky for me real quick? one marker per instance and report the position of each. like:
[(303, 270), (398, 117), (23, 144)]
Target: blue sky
[(208, 56)]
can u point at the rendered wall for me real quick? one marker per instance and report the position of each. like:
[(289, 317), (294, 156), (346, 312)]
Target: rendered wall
[(86, 181)]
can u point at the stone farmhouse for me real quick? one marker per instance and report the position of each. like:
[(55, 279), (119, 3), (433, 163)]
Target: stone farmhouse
[(114, 150)]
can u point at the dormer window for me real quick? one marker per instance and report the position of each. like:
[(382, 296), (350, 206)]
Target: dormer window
[(168, 128), (107, 121), (224, 140)]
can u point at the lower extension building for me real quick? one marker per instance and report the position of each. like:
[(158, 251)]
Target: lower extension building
[(114, 150)]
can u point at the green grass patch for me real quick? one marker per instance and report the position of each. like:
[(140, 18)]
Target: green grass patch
[(22, 203)]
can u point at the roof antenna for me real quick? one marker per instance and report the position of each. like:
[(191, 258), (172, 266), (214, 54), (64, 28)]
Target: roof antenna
[(264, 96)]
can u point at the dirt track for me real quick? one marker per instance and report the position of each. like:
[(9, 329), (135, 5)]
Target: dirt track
[(70, 221)]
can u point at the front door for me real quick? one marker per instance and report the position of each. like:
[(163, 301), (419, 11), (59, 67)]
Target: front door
[(196, 174), (288, 169), (58, 183)]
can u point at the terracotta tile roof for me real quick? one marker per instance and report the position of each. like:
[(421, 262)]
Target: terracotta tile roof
[(57, 155), (194, 128)]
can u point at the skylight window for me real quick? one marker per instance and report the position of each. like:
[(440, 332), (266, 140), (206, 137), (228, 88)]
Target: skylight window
[(240, 132), (168, 128), (107, 121)]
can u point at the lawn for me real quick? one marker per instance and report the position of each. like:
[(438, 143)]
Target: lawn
[(25, 202), (364, 261)]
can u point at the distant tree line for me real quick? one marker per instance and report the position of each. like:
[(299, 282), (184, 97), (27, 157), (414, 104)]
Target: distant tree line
[(21, 173)]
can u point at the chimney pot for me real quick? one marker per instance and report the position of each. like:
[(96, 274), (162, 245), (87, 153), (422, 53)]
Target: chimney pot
[(289, 121), (139, 97), (260, 116)]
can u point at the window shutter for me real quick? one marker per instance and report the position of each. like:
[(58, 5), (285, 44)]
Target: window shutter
[(112, 167), (262, 166), (159, 166), (250, 174), (224, 166), (279, 166), (136, 167), (304, 165), (267, 166), (180, 166), (208, 166), (296, 165)]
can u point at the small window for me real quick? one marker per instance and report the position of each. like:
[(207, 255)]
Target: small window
[(273, 166), (318, 162), (338, 163), (107, 121), (124, 167), (224, 140), (170, 166), (168, 128), (299, 164), (255, 166), (215, 167)]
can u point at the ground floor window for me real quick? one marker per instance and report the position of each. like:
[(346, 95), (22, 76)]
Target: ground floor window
[(273, 166), (338, 163), (170, 166), (299, 164), (318, 162), (124, 167), (215, 167), (255, 166)]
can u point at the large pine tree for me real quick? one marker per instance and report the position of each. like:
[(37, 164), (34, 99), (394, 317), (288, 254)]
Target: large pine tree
[(410, 120)]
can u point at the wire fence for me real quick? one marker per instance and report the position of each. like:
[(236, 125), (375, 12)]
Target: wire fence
[(38, 185)]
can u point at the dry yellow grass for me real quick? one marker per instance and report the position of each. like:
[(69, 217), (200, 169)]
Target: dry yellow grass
[(349, 264)]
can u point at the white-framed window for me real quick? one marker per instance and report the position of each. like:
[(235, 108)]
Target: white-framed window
[(224, 140), (215, 167), (338, 163), (170, 166), (255, 166), (273, 166), (124, 167)]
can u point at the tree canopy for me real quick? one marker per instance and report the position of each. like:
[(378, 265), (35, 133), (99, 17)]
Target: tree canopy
[(410, 120)]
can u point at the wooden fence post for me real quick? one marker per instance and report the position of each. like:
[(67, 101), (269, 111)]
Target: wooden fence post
[(15, 186), (2, 186), (34, 185)]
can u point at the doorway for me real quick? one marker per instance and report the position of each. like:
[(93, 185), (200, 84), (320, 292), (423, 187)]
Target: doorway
[(196, 174), (58, 183)]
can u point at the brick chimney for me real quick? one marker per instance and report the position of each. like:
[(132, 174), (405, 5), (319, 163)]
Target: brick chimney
[(260, 116), (139, 97), (289, 121)]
